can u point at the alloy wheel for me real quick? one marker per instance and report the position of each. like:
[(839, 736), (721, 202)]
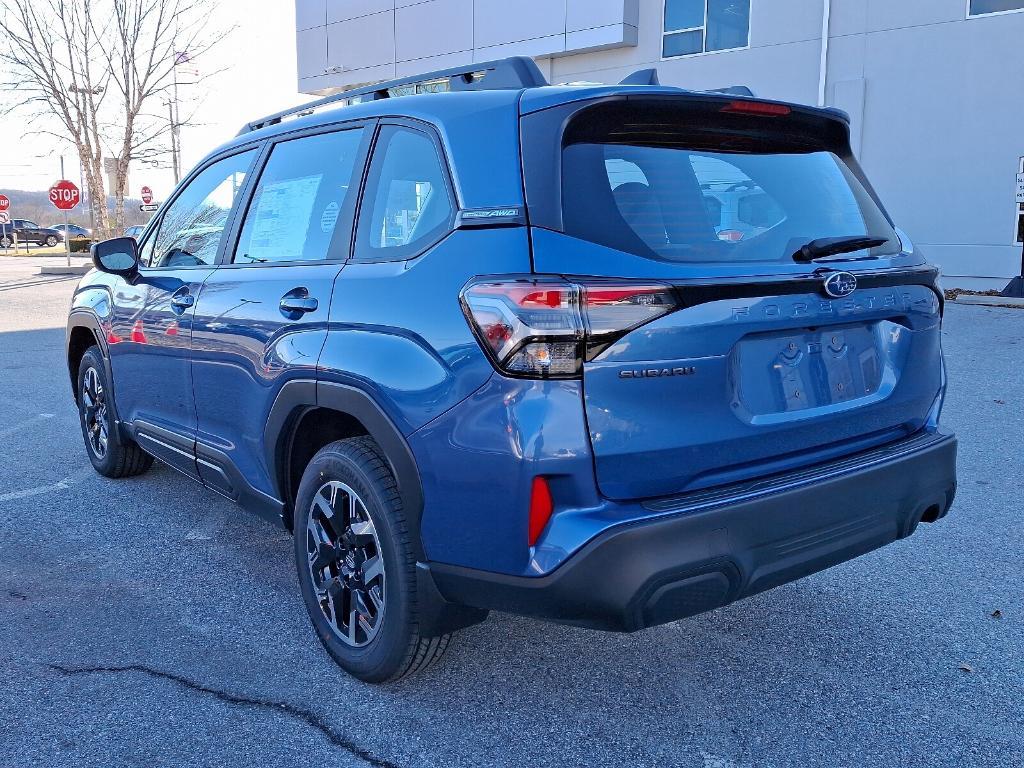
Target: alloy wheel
[(94, 413), (346, 563)]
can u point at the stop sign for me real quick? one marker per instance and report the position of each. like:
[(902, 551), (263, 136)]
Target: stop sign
[(64, 195), (147, 195), (5, 203)]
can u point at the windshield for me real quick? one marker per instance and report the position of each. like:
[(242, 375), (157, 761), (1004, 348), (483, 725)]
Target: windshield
[(679, 204)]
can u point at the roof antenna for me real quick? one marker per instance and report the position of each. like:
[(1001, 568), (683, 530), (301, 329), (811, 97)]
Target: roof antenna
[(642, 77)]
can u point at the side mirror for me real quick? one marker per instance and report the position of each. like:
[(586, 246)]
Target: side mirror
[(119, 256)]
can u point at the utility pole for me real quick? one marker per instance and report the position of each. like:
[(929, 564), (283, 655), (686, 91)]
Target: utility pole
[(180, 57), (174, 142)]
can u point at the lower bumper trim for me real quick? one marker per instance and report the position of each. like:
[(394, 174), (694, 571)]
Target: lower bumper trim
[(668, 568)]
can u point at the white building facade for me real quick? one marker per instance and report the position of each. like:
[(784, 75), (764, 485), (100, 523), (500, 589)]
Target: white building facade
[(935, 88)]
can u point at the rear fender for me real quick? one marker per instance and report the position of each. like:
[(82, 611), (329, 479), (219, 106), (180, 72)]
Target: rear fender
[(300, 395)]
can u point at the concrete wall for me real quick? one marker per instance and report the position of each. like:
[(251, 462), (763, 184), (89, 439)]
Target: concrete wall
[(342, 42), (942, 128), (936, 98)]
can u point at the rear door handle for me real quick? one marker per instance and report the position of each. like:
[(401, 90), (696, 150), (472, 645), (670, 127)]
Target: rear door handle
[(183, 301), (298, 302)]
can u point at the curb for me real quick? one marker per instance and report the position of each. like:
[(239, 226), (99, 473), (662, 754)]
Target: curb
[(990, 301), (80, 269)]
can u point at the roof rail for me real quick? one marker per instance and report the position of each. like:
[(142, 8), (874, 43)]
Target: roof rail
[(512, 73)]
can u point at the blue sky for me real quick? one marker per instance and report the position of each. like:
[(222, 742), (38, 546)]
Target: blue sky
[(259, 78)]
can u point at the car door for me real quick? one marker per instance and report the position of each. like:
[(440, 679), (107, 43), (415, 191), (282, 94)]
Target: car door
[(262, 317), (26, 230), (151, 323), (31, 231)]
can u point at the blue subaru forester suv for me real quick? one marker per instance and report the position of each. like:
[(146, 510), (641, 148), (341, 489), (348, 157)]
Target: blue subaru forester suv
[(498, 345)]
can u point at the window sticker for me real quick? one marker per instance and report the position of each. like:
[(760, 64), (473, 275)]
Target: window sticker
[(329, 218), (282, 216)]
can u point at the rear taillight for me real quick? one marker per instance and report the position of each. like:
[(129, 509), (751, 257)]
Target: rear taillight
[(546, 329)]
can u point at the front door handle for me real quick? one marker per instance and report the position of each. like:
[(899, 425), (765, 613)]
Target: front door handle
[(182, 301), (298, 302)]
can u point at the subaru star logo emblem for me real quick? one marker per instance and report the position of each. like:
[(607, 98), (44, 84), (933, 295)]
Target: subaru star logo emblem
[(839, 285)]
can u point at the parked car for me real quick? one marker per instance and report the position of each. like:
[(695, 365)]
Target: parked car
[(29, 232), (486, 350), (134, 232), (73, 230)]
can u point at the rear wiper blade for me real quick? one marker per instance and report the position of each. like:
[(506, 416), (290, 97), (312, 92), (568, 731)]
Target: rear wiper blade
[(831, 246)]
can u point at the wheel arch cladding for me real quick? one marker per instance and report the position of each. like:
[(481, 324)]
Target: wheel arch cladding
[(81, 335), (321, 412)]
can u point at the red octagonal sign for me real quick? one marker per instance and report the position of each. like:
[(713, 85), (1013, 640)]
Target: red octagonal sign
[(5, 203), (65, 195)]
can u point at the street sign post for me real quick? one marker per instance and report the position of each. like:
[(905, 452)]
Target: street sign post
[(64, 195), (147, 195), (5, 217), (149, 207)]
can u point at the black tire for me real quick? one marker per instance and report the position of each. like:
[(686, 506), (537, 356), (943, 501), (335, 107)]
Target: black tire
[(117, 456), (396, 650), (51, 241), (6, 242)]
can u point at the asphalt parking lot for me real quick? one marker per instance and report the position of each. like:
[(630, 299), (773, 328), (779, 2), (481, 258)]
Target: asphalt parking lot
[(149, 622)]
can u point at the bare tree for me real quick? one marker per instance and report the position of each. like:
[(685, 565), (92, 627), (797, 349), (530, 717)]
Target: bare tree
[(99, 73)]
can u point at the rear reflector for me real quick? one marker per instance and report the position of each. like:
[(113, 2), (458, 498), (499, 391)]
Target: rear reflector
[(758, 108), (541, 507)]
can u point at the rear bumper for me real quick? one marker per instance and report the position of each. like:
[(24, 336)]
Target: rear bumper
[(716, 550)]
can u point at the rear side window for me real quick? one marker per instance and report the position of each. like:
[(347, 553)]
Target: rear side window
[(407, 206), (305, 187), (661, 191)]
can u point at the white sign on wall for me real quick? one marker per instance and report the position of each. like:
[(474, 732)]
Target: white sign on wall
[(1020, 187)]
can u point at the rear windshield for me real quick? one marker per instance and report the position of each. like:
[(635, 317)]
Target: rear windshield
[(662, 195)]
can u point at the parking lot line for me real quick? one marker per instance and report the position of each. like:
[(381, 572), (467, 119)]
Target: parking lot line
[(39, 490)]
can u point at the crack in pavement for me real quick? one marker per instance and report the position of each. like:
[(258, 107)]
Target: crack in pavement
[(297, 713)]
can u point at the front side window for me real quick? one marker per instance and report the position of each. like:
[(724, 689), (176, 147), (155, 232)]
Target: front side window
[(192, 228), (407, 206), (985, 7), (304, 189), (700, 26)]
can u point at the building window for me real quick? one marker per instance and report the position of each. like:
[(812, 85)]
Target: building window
[(701, 26), (989, 7)]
